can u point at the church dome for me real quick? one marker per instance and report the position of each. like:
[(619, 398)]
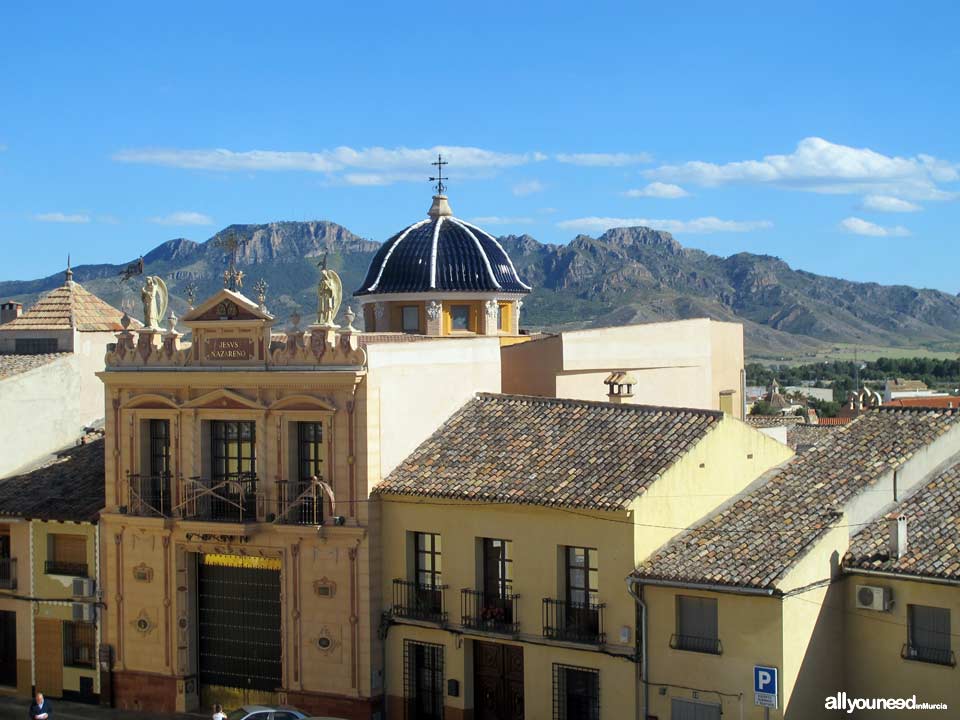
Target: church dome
[(441, 253)]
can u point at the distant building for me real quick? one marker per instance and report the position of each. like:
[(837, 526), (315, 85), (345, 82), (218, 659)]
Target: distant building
[(49, 357), (897, 388), (50, 576), (934, 401), (824, 394)]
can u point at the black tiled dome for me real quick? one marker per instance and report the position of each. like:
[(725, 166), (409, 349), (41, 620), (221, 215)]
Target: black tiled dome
[(464, 258)]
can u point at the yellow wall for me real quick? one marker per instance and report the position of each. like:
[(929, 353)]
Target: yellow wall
[(729, 458), (873, 641), (59, 586), (20, 549), (537, 534), (749, 628)]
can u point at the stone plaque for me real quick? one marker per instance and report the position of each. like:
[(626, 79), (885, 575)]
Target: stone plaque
[(228, 349)]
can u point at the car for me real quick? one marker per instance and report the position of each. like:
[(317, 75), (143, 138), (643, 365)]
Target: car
[(265, 712)]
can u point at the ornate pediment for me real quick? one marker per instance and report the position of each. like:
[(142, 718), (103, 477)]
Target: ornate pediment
[(223, 398), (227, 306)]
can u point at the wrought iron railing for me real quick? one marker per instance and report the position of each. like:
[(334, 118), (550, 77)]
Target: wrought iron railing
[(59, 567), (226, 498), (492, 612), (149, 495), (419, 602), (573, 621), (8, 573), (299, 502), (696, 643), (937, 656)]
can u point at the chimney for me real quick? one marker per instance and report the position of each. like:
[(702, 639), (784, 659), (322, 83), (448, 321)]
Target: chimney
[(897, 535), (10, 311), (619, 386)]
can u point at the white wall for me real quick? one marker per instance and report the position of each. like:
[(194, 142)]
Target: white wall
[(421, 384)]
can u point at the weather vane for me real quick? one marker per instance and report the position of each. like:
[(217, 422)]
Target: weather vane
[(441, 188), (232, 278)]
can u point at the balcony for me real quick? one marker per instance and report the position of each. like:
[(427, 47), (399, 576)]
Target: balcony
[(573, 621), (59, 567), (937, 656), (489, 612), (149, 495), (695, 643), (8, 573), (299, 503), (418, 602), (230, 498)]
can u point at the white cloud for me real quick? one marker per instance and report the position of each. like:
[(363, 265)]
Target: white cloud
[(858, 226), (887, 203), (500, 220), (370, 166), (183, 217), (59, 217), (527, 188), (696, 225), (666, 191), (821, 166), (604, 159)]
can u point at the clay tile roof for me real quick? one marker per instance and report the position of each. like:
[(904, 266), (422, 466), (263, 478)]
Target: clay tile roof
[(68, 488), (15, 364), (543, 451), (69, 306), (933, 533), (755, 540), (803, 435), (768, 421)]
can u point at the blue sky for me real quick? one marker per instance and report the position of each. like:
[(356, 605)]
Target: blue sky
[(824, 134)]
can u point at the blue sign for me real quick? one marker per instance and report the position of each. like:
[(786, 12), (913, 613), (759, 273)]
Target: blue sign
[(765, 686)]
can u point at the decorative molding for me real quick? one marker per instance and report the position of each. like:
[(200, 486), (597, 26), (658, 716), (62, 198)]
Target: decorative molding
[(324, 588), (143, 573), (380, 313), (492, 308), (326, 641), (143, 623), (433, 310)]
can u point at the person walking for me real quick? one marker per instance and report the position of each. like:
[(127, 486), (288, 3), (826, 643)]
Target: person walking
[(218, 713), (41, 708)]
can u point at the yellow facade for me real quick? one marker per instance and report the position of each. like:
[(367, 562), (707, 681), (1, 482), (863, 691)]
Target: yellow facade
[(17, 580), (724, 463)]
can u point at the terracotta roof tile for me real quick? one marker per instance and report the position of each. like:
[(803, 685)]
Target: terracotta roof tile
[(69, 306), (69, 488), (15, 364), (755, 540), (933, 533), (543, 451)]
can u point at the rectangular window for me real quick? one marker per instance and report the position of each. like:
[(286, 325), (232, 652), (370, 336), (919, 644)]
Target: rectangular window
[(581, 575), (35, 346), (79, 643), (310, 450), (411, 318), (460, 317), (576, 693), (422, 681), (427, 563), (233, 445), (928, 634), (497, 568), (697, 625), (503, 317), (66, 555), (159, 447)]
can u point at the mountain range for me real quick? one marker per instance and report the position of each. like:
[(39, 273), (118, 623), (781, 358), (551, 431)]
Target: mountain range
[(626, 275)]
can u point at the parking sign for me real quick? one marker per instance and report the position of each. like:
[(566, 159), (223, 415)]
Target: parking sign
[(765, 686)]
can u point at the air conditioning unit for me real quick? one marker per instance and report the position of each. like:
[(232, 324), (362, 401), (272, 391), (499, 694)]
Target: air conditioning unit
[(871, 597), (84, 612), (83, 587)]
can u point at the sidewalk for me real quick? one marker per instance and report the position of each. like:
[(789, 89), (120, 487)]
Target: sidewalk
[(16, 709)]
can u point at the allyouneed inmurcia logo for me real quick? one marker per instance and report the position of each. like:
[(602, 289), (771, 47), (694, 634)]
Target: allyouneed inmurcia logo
[(843, 702)]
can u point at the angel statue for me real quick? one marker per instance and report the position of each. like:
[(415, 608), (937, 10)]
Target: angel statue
[(155, 298), (329, 296)]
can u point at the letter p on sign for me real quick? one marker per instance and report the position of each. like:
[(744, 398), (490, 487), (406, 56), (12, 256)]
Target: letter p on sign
[(765, 686)]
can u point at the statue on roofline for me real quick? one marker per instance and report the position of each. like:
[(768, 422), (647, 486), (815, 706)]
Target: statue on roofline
[(329, 296), (155, 298)]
